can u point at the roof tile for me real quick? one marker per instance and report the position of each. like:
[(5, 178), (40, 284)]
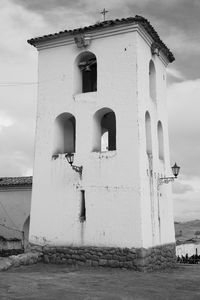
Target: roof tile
[(135, 20), (15, 181)]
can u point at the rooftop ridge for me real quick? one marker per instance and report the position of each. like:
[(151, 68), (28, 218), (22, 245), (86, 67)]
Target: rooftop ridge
[(15, 181), (105, 24)]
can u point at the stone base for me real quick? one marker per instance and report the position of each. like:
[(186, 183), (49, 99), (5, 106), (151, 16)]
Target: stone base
[(9, 252), (28, 258), (10, 247), (139, 259)]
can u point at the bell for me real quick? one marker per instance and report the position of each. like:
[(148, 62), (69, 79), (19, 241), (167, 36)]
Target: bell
[(87, 69)]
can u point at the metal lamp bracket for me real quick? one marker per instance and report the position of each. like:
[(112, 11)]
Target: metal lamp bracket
[(77, 169), (165, 180)]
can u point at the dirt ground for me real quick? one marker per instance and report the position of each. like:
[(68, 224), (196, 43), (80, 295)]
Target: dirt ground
[(59, 282)]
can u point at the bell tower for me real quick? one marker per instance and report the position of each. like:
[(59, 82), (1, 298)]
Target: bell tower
[(102, 145)]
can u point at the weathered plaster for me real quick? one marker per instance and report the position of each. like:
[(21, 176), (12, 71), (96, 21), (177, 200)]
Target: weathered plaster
[(119, 210), (14, 210)]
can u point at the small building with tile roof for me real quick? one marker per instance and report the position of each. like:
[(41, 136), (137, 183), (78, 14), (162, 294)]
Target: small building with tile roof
[(15, 201), (25, 181)]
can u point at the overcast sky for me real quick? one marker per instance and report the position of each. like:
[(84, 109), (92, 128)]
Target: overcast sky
[(178, 24)]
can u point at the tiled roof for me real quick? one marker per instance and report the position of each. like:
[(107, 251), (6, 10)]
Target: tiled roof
[(189, 241), (135, 20), (15, 181)]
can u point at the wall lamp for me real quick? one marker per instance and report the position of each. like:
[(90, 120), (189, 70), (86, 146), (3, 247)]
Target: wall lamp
[(70, 159), (175, 171)]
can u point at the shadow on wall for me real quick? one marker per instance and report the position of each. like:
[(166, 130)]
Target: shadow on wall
[(26, 232), (104, 134), (64, 134)]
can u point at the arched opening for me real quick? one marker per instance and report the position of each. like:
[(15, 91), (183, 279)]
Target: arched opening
[(26, 232), (152, 80), (104, 138), (104, 141), (64, 134), (148, 133), (86, 79), (160, 141)]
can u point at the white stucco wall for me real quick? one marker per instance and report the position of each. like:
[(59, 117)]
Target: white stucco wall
[(189, 249), (157, 211), (118, 208), (14, 211)]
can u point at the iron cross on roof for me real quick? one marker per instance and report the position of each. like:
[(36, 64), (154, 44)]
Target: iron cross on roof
[(104, 12)]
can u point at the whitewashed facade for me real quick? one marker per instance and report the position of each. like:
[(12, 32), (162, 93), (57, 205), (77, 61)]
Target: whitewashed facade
[(15, 202), (187, 248), (123, 206)]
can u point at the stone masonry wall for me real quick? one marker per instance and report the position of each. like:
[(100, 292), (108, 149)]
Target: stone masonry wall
[(137, 259), (10, 247)]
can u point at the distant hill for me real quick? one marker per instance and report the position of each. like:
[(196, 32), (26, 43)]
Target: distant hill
[(187, 230)]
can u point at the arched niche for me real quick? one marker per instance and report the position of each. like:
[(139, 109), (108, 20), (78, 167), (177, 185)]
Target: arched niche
[(148, 133), (64, 134), (160, 141), (85, 79), (104, 135), (152, 81)]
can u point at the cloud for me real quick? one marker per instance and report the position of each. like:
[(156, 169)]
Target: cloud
[(187, 207), (174, 75), (17, 101), (180, 188), (56, 15), (177, 21), (16, 151), (5, 120), (16, 27), (184, 125), (48, 5), (184, 132), (186, 196)]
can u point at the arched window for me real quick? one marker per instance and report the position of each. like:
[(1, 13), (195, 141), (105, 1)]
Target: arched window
[(104, 138), (152, 80), (86, 67), (160, 141), (64, 134), (148, 133)]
